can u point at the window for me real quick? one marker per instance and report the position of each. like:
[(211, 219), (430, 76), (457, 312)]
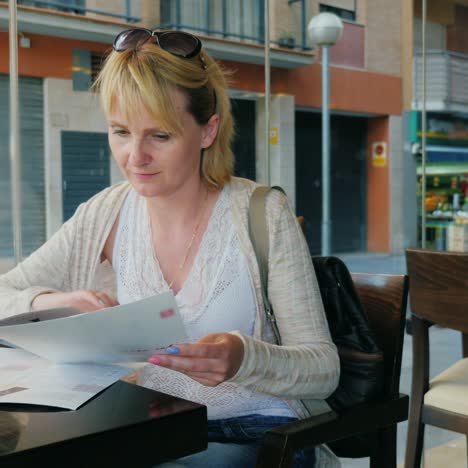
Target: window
[(242, 19), (349, 15), (97, 61), (86, 67)]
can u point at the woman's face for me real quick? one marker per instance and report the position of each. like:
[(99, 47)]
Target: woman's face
[(154, 161)]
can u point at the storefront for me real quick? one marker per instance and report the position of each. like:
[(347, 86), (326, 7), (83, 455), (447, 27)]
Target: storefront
[(446, 202)]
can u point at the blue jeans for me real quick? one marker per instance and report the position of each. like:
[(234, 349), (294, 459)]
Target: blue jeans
[(233, 442)]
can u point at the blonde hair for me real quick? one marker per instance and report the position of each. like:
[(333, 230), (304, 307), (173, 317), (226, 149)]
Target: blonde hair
[(147, 75)]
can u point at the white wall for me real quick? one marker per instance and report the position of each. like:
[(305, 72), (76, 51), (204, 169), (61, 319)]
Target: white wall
[(282, 153), (65, 109), (403, 200)]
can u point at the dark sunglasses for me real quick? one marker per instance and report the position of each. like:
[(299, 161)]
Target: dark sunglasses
[(177, 43)]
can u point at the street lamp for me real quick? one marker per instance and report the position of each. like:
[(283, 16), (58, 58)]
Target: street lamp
[(324, 31)]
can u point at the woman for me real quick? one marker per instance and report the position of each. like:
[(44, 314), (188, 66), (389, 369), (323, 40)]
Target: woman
[(180, 223)]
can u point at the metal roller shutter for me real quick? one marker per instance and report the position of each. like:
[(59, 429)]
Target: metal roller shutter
[(85, 168), (32, 166)]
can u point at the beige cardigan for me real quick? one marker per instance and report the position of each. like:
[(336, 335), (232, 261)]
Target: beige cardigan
[(306, 367)]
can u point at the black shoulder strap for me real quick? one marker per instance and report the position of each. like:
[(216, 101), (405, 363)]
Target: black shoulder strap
[(258, 230)]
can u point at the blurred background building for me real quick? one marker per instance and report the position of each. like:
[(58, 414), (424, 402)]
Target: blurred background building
[(375, 103), (446, 200)]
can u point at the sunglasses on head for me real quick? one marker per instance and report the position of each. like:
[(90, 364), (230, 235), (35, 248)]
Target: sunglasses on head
[(177, 43)]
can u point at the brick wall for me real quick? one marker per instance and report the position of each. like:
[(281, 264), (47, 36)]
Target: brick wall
[(383, 36)]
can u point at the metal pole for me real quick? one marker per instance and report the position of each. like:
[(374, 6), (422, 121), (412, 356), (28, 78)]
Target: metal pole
[(207, 15), (15, 155), (325, 152), (304, 24), (177, 5), (128, 9), (423, 149), (267, 91), (225, 22), (423, 129)]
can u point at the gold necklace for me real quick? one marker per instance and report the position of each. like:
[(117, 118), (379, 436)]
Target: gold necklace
[(189, 246)]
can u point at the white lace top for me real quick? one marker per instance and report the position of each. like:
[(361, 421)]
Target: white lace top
[(217, 296)]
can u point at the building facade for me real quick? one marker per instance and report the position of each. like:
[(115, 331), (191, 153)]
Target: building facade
[(446, 91), (65, 157)]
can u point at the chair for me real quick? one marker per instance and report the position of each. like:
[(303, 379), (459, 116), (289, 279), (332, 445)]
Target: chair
[(384, 298), (439, 295)]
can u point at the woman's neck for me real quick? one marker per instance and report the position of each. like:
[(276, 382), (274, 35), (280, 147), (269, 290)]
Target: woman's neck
[(179, 209)]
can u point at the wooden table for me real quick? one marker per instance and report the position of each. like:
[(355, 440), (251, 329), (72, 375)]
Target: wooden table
[(124, 426)]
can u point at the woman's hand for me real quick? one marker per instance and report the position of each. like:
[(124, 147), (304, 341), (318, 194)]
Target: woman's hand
[(84, 300), (212, 360)]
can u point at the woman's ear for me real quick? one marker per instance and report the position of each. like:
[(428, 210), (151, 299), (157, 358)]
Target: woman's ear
[(210, 130)]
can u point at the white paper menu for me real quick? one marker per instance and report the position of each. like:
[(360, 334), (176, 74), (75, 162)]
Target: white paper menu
[(126, 333), (29, 379)]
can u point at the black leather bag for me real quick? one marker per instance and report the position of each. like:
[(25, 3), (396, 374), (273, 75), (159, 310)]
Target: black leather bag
[(361, 360), (362, 366)]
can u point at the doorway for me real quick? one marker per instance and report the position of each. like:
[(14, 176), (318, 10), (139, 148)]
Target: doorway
[(348, 182)]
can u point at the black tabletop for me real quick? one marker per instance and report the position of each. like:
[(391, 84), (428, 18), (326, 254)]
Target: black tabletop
[(126, 425)]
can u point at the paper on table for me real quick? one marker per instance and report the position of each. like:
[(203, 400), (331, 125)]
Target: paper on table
[(127, 333), (29, 379), (39, 316)]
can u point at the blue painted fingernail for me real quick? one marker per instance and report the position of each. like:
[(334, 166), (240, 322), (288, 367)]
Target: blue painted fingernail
[(172, 350)]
